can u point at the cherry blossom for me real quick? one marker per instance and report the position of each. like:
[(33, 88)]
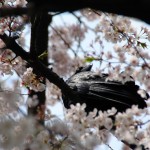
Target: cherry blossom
[(113, 42), (30, 80)]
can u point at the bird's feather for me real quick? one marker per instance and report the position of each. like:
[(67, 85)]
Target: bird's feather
[(96, 92)]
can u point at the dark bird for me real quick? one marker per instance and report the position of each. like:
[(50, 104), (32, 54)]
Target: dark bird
[(96, 92)]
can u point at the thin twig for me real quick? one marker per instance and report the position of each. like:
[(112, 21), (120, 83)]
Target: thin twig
[(13, 92), (66, 43), (128, 39), (109, 146)]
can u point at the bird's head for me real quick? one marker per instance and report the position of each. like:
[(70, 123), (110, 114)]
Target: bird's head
[(84, 68)]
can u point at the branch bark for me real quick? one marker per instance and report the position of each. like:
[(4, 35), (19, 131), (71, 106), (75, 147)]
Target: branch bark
[(38, 45), (135, 8), (37, 65)]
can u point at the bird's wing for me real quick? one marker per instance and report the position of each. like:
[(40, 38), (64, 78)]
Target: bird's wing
[(96, 92), (105, 95)]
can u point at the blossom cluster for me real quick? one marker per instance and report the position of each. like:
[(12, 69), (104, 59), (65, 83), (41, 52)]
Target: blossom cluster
[(69, 38), (79, 130), (129, 55), (11, 24), (18, 134), (115, 28), (129, 127), (29, 79), (90, 125), (126, 126), (9, 62)]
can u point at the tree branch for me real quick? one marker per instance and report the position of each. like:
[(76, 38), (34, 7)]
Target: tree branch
[(135, 8), (37, 65), (13, 11)]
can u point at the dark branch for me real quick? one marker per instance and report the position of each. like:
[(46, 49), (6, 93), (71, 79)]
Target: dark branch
[(37, 65), (135, 8), (13, 11), (39, 44)]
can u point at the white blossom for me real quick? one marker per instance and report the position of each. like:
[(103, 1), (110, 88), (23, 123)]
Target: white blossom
[(30, 80)]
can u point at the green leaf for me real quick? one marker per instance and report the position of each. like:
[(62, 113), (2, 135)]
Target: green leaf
[(43, 55), (142, 44), (89, 59)]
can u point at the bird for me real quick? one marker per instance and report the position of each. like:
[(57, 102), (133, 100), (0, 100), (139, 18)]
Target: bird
[(96, 92)]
